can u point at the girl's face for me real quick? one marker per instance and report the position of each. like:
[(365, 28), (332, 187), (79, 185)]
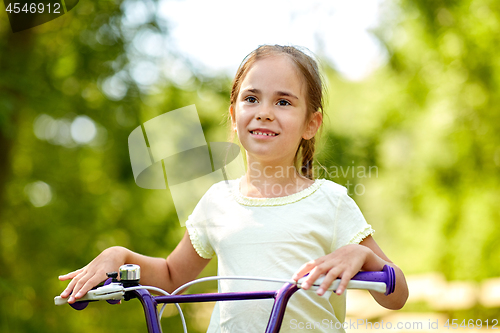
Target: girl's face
[(270, 112)]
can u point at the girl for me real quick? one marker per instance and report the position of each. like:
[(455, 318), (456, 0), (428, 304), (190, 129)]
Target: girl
[(275, 221)]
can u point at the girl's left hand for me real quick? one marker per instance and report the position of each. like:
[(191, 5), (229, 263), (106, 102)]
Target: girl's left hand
[(343, 263)]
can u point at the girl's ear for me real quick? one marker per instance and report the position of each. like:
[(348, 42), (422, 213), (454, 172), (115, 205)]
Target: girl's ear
[(313, 125)]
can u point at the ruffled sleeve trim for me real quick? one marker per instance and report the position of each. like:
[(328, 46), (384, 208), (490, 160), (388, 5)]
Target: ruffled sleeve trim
[(367, 231), (193, 235)]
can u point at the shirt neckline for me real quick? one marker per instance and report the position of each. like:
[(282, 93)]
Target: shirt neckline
[(278, 201)]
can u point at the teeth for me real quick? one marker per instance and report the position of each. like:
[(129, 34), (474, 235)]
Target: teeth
[(267, 134)]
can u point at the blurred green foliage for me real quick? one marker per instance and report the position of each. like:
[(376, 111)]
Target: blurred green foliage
[(426, 125), (429, 120), (434, 126)]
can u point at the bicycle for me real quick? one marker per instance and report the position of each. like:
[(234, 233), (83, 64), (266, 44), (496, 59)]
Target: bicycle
[(128, 287)]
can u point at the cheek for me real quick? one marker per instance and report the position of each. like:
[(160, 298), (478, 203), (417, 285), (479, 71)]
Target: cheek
[(304, 124), (239, 122), (297, 123), (241, 116)]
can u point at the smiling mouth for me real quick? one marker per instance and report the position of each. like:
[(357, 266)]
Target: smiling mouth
[(263, 133)]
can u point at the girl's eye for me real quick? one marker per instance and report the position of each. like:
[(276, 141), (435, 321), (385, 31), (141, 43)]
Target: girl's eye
[(283, 102), (251, 99)]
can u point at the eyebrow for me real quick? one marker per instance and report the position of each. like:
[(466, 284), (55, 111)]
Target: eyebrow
[(277, 93)]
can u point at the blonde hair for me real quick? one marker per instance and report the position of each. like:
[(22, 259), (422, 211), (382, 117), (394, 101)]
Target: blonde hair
[(306, 66)]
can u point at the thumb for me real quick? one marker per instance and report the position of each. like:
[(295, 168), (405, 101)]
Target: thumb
[(303, 270)]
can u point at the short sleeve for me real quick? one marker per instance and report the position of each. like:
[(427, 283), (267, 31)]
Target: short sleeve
[(196, 225), (351, 226)]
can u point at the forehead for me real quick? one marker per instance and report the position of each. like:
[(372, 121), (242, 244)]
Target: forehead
[(276, 73)]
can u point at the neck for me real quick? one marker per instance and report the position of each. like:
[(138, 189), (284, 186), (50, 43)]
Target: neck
[(269, 180)]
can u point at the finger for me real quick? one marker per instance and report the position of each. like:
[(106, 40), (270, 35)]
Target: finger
[(314, 274), (331, 276), (91, 283), (71, 285), (304, 269), (82, 280), (346, 277), (88, 283), (70, 275), (307, 267)]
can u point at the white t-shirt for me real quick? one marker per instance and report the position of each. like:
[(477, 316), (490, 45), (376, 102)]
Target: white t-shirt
[(274, 237)]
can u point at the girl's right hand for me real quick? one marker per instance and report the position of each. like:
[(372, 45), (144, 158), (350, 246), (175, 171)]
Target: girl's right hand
[(84, 279)]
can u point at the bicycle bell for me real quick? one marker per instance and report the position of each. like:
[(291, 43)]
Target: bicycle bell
[(130, 274)]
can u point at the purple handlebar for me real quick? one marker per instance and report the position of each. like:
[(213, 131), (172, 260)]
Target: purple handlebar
[(387, 275), (83, 304)]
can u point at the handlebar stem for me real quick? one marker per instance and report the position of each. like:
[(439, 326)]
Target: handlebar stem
[(280, 301), (149, 305)]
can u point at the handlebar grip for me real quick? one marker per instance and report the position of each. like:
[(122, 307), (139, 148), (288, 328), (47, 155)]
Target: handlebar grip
[(387, 275), (111, 292), (382, 281), (79, 305), (58, 300)]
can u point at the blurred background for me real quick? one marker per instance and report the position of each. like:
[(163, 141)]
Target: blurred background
[(412, 130)]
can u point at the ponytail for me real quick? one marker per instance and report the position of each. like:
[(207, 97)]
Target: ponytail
[(307, 157)]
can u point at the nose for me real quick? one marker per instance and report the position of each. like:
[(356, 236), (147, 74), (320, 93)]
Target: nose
[(265, 113)]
